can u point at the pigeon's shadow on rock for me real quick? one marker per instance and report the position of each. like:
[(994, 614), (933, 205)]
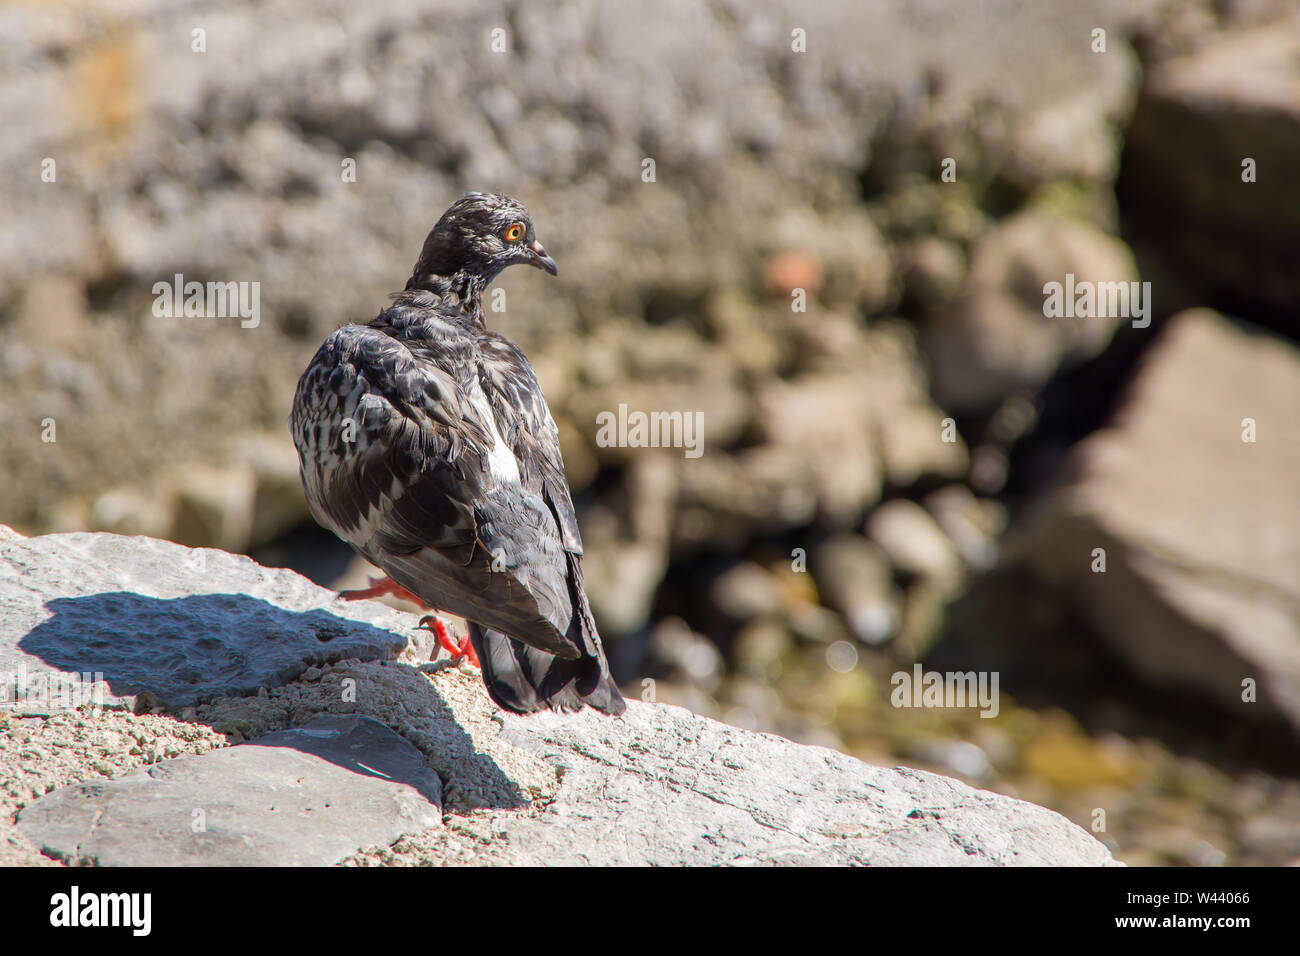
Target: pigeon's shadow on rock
[(175, 653)]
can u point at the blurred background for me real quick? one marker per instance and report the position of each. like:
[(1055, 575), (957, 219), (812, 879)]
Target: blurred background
[(918, 467)]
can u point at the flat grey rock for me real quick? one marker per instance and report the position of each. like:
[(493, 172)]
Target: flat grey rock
[(658, 786), (664, 787), (171, 626), (303, 797)]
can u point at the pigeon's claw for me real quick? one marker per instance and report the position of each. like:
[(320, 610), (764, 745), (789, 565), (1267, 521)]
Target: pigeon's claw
[(462, 651)]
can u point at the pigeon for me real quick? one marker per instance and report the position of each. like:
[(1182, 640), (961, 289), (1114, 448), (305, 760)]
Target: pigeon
[(424, 442)]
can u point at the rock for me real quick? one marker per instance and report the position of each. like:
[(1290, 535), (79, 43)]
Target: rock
[(659, 786), (1199, 118), (995, 338), (747, 590), (855, 578), (1198, 527), (167, 167), (924, 608), (627, 540), (988, 469), (913, 541), (693, 657), (751, 704), (303, 797), (167, 626), (214, 507), (821, 442), (278, 503), (51, 312), (973, 525), (127, 510), (819, 624), (1266, 833), (706, 793), (724, 407), (933, 271), (818, 432), (845, 248), (956, 756), (912, 445)]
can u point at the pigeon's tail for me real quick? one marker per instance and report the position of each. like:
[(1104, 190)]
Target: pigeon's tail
[(525, 680)]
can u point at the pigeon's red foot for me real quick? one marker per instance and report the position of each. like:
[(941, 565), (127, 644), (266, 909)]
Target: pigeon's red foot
[(386, 585), (378, 588), (462, 651)]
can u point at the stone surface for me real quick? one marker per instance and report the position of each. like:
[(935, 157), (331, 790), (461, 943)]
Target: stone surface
[(994, 339), (227, 166), (41, 754), (914, 541), (855, 578), (1200, 116), (747, 590), (169, 626), (303, 797), (659, 786), (664, 787), (973, 525), (1201, 529)]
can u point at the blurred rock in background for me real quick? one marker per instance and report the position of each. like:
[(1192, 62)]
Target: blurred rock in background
[(906, 468), (1207, 180), (1195, 584)]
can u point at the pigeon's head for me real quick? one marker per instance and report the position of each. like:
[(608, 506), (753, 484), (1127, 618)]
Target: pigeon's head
[(480, 235)]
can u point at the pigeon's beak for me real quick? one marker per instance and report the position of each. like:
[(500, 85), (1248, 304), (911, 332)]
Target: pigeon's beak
[(540, 259)]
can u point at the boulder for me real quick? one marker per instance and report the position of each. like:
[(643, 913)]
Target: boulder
[(854, 576), (138, 622), (234, 164), (303, 797), (1191, 495), (994, 338), (1200, 118), (659, 786), (665, 787)]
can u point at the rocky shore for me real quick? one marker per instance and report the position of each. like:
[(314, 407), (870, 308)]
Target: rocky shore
[(904, 459)]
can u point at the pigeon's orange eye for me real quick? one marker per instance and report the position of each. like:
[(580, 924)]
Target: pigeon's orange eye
[(515, 232)]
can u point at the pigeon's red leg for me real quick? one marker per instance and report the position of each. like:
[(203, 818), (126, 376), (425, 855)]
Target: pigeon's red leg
[(386, 585), (378, 588), (465, 649)]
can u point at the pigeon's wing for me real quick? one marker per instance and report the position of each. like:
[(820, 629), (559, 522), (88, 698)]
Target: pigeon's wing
[(524, 421), (518, 677), (402, 457)]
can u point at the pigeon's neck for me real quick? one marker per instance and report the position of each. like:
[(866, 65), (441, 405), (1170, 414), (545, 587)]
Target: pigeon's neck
[(465, 287)]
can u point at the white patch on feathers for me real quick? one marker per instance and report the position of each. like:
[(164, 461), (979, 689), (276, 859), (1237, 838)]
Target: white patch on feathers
[(501, 460)]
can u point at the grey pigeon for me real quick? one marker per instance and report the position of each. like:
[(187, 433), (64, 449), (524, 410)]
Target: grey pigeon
[(424, 442)]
